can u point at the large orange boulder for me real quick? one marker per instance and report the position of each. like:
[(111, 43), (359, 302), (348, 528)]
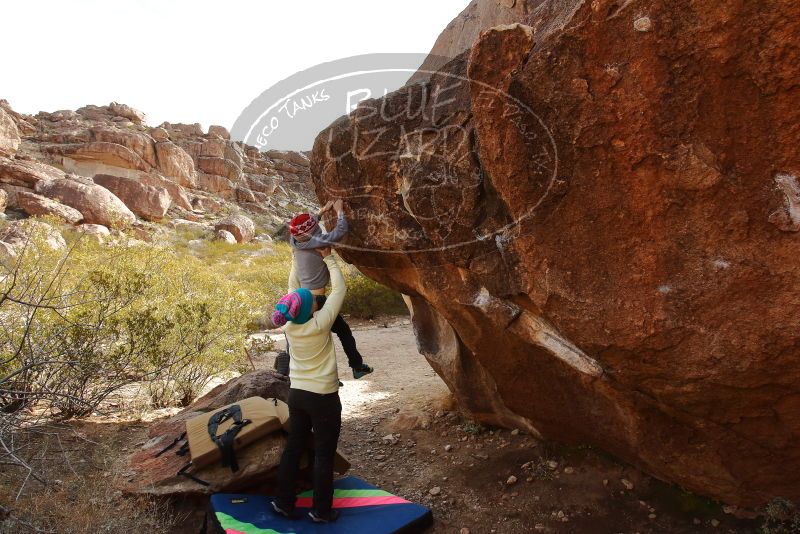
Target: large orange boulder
[(147, 201), (595, 217)]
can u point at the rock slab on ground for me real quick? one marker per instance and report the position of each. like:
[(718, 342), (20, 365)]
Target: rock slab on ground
[(148, 473)]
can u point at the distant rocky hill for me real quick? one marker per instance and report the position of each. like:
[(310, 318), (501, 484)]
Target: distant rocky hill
[(102, 164)]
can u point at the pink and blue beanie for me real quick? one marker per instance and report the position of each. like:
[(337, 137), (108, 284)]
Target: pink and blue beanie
[(294, 307)]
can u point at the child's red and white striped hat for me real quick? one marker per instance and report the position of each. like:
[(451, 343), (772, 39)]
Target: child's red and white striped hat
[(302, 224)]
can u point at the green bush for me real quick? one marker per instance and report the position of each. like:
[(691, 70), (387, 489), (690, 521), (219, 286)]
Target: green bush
[(264, 273), (367, 298), (79, 324)]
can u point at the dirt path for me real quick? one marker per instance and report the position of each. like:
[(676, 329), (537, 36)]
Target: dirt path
[(399, 432)]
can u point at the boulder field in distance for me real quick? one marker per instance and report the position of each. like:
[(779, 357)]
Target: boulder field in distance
[(103, 165)]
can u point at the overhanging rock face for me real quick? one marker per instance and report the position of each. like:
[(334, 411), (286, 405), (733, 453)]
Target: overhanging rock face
[(596, 216)]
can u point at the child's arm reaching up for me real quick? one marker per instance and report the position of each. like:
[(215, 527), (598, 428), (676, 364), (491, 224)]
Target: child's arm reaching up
[(326, 239)]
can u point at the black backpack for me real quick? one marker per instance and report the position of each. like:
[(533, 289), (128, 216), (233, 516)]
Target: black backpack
[(282, 363)]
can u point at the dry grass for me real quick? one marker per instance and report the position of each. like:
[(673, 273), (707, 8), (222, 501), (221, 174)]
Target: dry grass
[(80, 495)]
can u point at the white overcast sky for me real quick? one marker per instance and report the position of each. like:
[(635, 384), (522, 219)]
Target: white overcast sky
[(192, 61)]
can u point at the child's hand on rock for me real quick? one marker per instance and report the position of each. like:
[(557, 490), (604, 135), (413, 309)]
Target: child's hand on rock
[(324, 252)]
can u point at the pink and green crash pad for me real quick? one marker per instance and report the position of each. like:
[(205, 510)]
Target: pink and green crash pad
[(363, 508)]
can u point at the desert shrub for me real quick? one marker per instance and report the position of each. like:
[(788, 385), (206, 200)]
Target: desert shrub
[(471, 427), (263, 273), (77, 325), (781, 516)]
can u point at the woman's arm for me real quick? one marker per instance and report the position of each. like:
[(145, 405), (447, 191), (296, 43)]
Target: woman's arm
[(327, 315), (294, 280)]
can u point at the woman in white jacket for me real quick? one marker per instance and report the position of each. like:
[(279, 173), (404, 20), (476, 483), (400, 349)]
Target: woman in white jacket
[(314, 394)]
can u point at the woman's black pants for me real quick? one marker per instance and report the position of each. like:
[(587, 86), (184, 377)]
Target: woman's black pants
[(323, 414)]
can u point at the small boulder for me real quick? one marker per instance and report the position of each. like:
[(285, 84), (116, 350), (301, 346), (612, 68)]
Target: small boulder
[(97, 232), (241, 226), (159, 134), (226, 236), (213, 183), (34, 204), (148, 473), (220, 166), (243, 194), (219, 130), (134, 115)]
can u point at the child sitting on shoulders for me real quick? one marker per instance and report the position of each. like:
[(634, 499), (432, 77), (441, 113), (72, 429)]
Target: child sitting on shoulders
[(310, 272)]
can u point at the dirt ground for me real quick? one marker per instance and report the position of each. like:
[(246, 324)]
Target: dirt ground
[(400, 432)]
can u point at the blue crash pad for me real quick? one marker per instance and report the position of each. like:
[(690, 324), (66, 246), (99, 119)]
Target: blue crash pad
[(363, 508)]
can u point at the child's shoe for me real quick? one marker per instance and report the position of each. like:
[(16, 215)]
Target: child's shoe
[(364, 370)]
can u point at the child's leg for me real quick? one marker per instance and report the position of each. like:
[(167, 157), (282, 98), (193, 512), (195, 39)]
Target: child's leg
[(342, 329)]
